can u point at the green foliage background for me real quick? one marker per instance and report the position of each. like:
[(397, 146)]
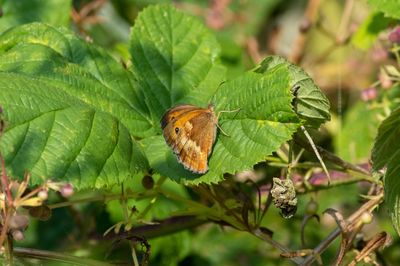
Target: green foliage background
[(88, 113)]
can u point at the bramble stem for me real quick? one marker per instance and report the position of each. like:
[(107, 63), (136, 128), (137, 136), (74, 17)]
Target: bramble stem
[(55, 256), (369, 206)]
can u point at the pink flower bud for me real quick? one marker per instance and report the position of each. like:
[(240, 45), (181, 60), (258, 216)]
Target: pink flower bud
[(43, 194), (394, 35), (67, 190), (369, 94), (385, 80), (17, 235)]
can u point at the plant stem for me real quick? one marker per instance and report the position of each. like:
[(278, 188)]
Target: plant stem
[(4, 182), (154, 199), (134, 195), (55, 256), (353, 178), (162, 228), (8, 251), (4, 229), (369, 206), (124, 207), (332, 158), (258, 233), (313, 146)]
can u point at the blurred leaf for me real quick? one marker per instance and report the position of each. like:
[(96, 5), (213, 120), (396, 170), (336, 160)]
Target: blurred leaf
[(355, 139), (162, 208), (170, 250), (390, 8), (386, 152), (111, 29), (234, 247), (17, 12), (369, 30), (264, 122), (70, 109), (310, 102)]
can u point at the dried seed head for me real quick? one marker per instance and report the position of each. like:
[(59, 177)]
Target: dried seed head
[(284, 197)]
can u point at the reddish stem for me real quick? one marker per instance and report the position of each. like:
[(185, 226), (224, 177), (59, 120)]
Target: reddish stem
[(4, 182)]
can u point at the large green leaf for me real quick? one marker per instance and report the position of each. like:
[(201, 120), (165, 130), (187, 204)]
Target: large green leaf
[(390, 8), (175, 59), (75, 114), (265, 121), (386, 153), (310, 103), (70, 109), (17, 12)]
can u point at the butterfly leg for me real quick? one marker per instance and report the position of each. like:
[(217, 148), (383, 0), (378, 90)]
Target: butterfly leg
[(228, 111)]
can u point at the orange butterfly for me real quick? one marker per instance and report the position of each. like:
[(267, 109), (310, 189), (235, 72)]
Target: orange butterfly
[(190, 131)]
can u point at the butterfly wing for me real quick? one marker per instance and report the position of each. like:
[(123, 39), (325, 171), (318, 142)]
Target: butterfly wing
[(190, 131)]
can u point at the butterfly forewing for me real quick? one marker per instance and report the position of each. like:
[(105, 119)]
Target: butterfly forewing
[(190, 131)]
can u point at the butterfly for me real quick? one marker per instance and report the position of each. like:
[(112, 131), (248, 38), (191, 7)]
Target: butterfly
[(191, 131)]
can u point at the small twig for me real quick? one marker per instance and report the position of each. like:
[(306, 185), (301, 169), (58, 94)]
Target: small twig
[(4, 229), (55, 256), (258, 233), (333, 158), (4, 182), (253, 50), (106, 197), (309, 19), (313, 146), (379, 240), (344, 22), (161, 228), (304, 222), (352, 178), (124, 206), (369, 206)]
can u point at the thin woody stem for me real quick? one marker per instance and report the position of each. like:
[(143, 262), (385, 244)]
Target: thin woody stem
[(4, 182), (332, 158), (313, 146), (369, 206)]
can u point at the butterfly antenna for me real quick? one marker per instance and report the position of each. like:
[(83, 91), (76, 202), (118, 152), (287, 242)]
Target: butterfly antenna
[(228, 111)]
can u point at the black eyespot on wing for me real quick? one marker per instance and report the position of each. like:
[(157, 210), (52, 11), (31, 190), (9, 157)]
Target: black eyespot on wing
[(177, 130)]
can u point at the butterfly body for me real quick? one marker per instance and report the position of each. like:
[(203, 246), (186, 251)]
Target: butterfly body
[(190, 131)]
